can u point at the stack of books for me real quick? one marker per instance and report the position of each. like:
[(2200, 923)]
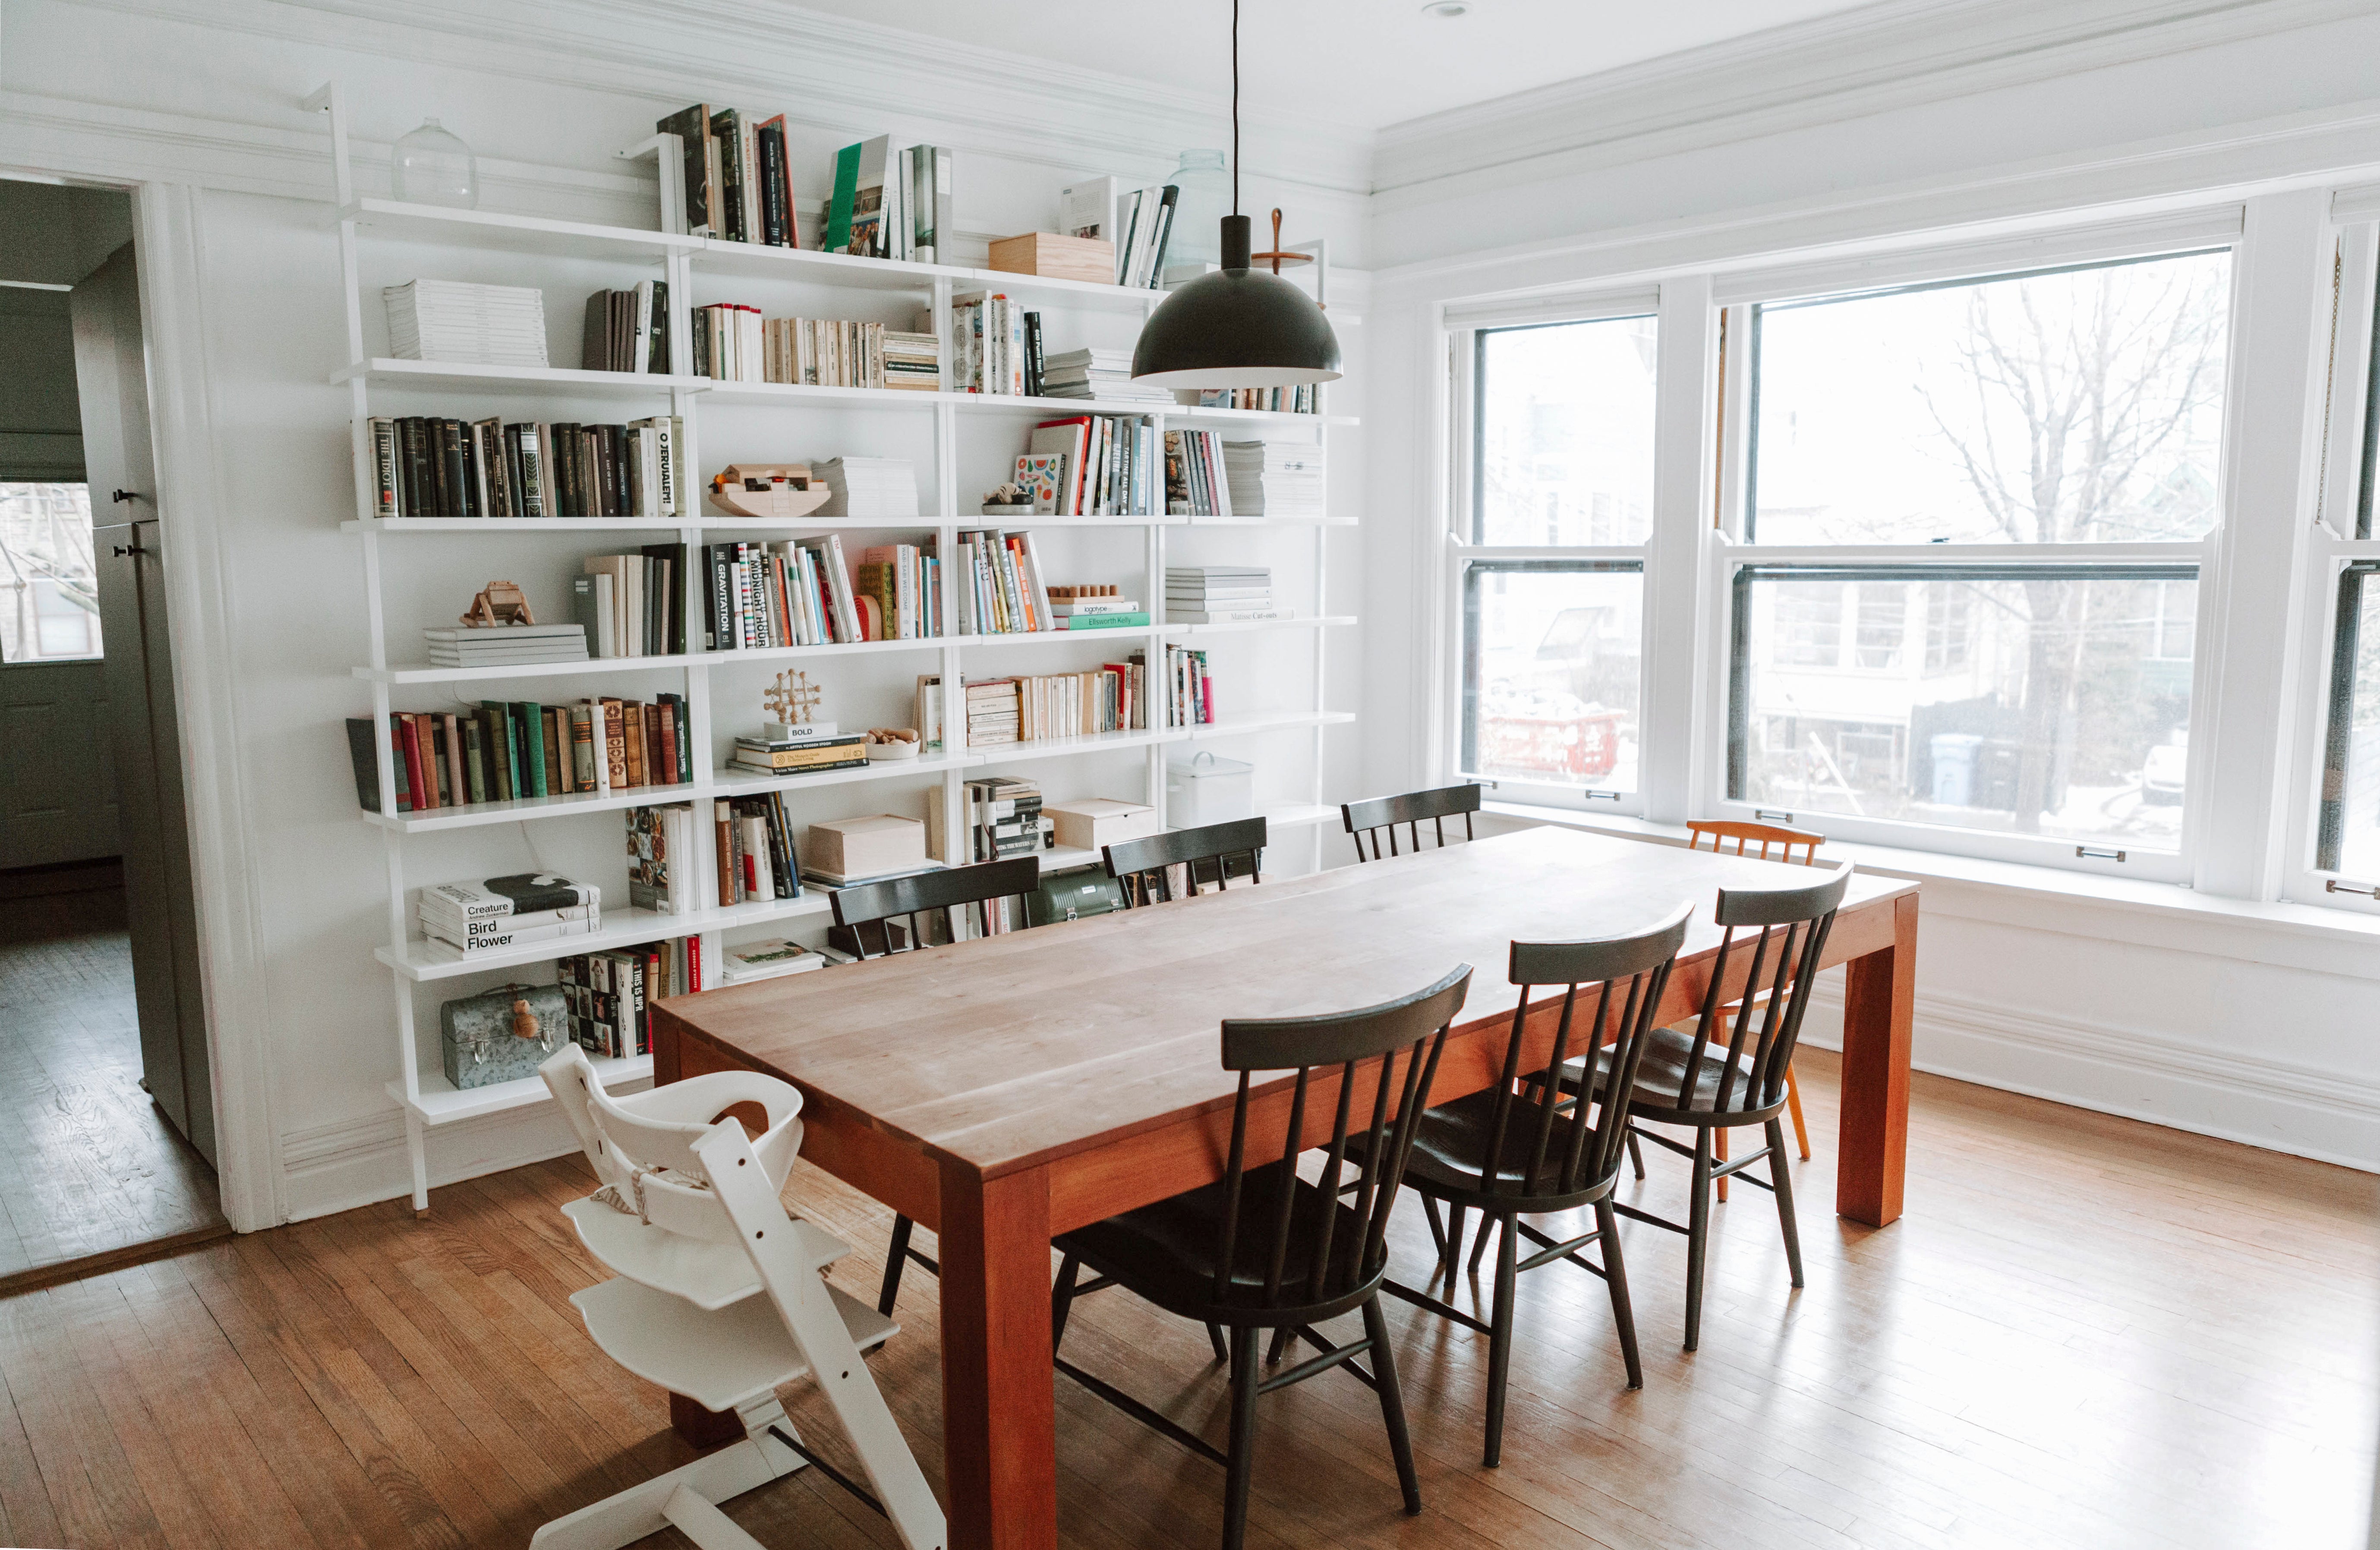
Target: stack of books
[(477, 326), (910, 360), (1081, 609), (1004, 819), (1220, 595), (460, 920), (868, 486), (814, 748), (772, 958), (1275, 478), (505, 645), (1101, 375), (992, 712)]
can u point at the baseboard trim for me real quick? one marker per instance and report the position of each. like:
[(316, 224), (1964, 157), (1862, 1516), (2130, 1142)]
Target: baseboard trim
[(2277, 1105)]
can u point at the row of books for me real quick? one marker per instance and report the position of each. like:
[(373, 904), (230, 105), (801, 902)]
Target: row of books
[(610, 995), (632, 605), (1002, 590), (755, 856), (1138, 221), (995, 344), (459, 920), (1194, 481), (1298, 400), (469, 325), (627, 330), (1004, 819), (739, 177), (1106, 466), (1190, 692), (733, 343), (1112, 697), (425, 466), (798, 592), (500, 751), (889, 201)]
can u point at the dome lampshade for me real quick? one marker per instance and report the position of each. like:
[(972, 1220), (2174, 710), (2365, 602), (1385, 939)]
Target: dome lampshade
[(1237, 328)]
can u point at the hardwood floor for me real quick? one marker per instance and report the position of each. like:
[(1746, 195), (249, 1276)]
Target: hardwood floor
[(92, 1167), (2086, 1332)]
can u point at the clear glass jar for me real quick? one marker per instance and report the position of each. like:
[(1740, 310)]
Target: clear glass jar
[(432, 166), (1198, 210)]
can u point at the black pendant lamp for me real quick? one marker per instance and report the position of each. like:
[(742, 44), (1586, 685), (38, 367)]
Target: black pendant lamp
[(1241, 327)]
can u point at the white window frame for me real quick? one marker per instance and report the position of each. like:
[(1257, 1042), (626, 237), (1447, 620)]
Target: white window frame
[(1461, 327)]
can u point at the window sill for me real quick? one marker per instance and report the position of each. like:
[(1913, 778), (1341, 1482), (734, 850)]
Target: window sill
[(2012, 879)]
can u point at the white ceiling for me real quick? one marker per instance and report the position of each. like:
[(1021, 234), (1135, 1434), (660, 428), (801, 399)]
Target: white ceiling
[(1360, 64)]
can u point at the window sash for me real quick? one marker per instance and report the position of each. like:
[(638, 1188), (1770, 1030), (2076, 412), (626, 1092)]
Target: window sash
[(1468, 564)]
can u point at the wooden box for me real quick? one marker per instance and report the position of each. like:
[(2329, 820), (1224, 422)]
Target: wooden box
[(1054, 257), (1096, 821), (843, 849)]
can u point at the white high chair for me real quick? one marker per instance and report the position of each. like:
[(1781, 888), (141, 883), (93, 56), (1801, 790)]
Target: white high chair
[(688, 1214)]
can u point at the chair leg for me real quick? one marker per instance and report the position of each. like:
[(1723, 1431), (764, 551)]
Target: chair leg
[(1698, 1238), (1061, 1300), (1242, 1453), (1455, 1211), (1279, 1346), (1635, 1153), (1392, 1404), (1479, 1244), (1215, 1338), (1718, 1153), (1436, 1226), (1782, 1175), (895, 1263), (1500, 1338), (1615, 1279), (1793, 1105)]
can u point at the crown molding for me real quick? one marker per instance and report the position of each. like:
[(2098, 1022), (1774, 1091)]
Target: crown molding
[(1851, 64), (852, 75), (2143, 179)]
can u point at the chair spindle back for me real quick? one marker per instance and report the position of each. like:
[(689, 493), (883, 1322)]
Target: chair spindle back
[(1406, 1037), (1381, 815), (1145, 866), (1568, 1153), (1768, 836), (1789, 928), (865, 904)]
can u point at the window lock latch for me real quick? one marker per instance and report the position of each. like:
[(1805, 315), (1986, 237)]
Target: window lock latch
[(2094, 853), (2333, 885)]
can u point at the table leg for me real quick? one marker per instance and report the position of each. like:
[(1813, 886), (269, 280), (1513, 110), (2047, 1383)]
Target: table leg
[(1872, 1145), (998, 1410)]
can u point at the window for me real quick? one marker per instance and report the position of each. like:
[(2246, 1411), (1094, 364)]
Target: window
[(2045, 696), (1564, 434), (49, 592), (2347, 837), (1553, 657)]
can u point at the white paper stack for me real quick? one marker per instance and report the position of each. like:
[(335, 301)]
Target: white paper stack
[(868, 486), (772, 958), (1220, 595), (474, 325), (1275, 478), (505, 645), (1104, 376)]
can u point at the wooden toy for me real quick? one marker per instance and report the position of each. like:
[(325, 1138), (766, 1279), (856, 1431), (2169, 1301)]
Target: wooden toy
[(792, 697), (499, 602), (772, 491)]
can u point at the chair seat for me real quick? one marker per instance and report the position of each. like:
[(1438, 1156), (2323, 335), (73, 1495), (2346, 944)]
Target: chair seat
[(1166, 1252), (1661, 1072), (1450, 1144)]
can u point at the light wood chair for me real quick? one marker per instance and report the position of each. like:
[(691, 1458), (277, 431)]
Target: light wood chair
[(1783, 842), (718, 1297)]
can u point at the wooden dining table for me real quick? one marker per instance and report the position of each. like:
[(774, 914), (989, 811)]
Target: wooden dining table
[(1004, 1089)]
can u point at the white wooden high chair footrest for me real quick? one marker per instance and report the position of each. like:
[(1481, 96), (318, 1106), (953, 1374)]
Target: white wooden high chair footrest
[(689, 1215)]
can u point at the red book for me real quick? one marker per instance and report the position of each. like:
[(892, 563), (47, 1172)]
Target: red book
[(410, 752), (668, 720), (693, 964)]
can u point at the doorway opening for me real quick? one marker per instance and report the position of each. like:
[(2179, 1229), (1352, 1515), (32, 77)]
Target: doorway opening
[(107, 1130)]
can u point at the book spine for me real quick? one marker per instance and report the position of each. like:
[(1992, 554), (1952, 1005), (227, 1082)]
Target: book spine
[(385, 501)]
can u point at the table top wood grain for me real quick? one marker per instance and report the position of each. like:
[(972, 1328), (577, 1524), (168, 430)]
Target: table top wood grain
[(1016, 1050)]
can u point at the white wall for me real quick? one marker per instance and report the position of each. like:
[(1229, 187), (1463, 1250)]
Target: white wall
[(2242, 1019), (206, 95)]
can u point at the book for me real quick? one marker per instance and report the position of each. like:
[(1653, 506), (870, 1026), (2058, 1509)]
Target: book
[(514, 893), (773, 958), (450, 947), (1089, 209), (660, 840), (1105, 621), (856, 218)]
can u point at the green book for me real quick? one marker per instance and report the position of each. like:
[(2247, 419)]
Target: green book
[(505, 747), (1106, 620), (475, 757), (491, 730), (846, 193), (529, 727)]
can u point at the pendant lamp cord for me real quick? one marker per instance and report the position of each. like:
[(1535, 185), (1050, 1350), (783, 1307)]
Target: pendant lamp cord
[(1235, 106)]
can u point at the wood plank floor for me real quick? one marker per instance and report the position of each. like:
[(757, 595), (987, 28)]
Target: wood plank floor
[(92, 1167), (2086, 1332)]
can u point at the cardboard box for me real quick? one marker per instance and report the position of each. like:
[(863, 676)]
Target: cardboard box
[(1059, 258), (1096, 821), (867, 847)]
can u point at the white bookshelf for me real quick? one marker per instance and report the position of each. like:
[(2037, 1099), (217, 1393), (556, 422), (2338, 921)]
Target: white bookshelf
[(690, 262)]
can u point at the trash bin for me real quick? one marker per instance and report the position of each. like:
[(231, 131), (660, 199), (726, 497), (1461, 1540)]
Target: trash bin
[(1954, 768)]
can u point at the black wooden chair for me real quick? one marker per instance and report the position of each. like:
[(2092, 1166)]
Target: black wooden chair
[(1261, 1249), (1728, 1073), (1380, 815), (914, 901), (1516, 1149), (1215, 851)]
